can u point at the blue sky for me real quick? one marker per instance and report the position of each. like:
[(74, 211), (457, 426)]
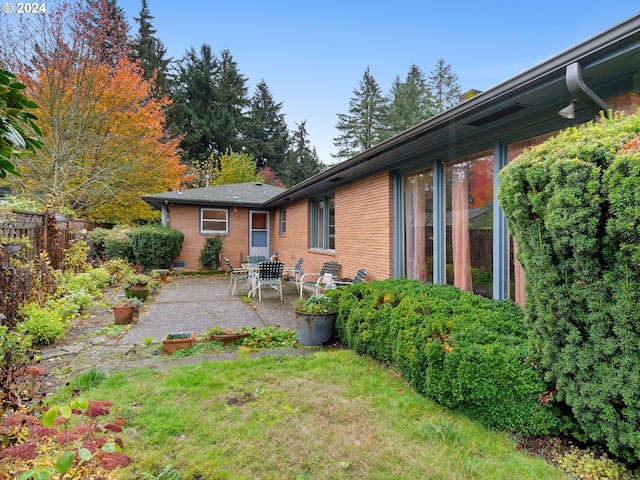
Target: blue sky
[(312, 54)]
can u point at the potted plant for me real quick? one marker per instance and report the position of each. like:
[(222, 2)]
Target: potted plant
[(225, 336), (177, 341), (125, 312), (315, 320), (137, 285)]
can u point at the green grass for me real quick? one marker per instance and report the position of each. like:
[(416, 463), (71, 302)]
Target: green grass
[(328, 415)]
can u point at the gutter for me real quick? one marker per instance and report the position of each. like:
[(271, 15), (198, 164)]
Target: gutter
[(581, 90)]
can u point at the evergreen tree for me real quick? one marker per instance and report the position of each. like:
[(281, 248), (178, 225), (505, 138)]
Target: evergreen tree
[(444, 87), (364, 125), (195, 98), (267, 134), (230, 125), (303, 161), (409, 102), (108, 30), (151, 52)]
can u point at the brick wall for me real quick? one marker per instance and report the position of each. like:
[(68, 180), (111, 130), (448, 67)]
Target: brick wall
[(628, 102), (186, 218), (364, 227)]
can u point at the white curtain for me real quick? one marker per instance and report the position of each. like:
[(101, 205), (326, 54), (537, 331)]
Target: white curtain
[(415, 216), (460, 227)]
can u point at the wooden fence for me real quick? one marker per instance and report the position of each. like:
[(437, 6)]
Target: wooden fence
[(44, 233)]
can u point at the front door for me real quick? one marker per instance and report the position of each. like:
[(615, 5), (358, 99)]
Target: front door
[(259, 233)]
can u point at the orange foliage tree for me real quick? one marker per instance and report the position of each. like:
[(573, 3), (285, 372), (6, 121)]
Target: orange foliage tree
[(103, 131)]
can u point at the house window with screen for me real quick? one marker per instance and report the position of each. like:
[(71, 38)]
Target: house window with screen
[(214, 220), (323, 223)]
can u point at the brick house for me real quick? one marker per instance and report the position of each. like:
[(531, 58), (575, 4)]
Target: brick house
[(423, 203)]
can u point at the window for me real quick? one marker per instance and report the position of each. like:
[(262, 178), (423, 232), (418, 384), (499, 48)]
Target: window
[(283, 221), (323, 223), (469, 234), (418, 225), (214, 220)]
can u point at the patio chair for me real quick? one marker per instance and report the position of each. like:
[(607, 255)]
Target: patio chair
[(294, 272), (316, 280), (270, 275), (236, 274), (256, 259)]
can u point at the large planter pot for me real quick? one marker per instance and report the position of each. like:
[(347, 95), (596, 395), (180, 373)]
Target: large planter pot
[(140, 291), (314, 328), (123, 314), (177, 341)]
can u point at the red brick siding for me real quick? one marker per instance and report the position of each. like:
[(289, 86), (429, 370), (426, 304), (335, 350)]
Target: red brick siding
[(235, 244), (364, 227), (628, 102)]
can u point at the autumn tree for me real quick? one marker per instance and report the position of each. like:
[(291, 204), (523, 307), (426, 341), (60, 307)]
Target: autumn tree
[(236, 168), (364, 125), (104, 143)]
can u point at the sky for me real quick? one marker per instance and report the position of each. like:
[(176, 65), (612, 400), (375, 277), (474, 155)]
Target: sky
[(313, 54)]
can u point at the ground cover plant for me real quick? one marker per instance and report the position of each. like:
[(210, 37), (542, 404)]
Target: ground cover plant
[(332, 414), (573, 206)]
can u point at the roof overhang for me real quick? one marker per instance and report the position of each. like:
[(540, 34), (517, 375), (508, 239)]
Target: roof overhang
[(521, 107)]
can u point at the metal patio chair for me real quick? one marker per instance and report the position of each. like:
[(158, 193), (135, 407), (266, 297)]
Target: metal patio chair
[(236, 274), (270, 275), (317, 280), (256, 259), (294, 272)]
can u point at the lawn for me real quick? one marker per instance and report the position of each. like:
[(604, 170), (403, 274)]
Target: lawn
[(328, 415)]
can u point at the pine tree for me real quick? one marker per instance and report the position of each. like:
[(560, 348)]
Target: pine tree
[(267, 134), (303, 161), (193, 111), (151, 52), (232, 89), (364, 125), (444, 86), (409, 102)]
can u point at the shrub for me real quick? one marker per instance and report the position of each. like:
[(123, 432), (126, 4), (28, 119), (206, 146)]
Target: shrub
[(76, 257), (117, 244), (43, 325), (210, 255), (118, 270), (465, 351), (573, 205), (155, 246)]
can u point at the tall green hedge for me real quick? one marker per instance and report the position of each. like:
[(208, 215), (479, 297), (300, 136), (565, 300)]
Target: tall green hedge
[(573, 205), (467, 352), (155, 246)]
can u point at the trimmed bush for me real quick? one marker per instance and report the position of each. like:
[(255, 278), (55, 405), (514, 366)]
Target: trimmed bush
[(467, 352), (573, 205), (155, 246)]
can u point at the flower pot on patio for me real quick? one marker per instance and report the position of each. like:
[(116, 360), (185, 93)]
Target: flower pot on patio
[(123, 314), (173, 342), (314, 329)]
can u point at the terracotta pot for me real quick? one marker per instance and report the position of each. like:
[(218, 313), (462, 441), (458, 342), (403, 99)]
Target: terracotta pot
[(177, 341), (123, 314)]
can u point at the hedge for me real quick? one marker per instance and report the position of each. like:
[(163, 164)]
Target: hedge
[(573, 205), (467, 352)]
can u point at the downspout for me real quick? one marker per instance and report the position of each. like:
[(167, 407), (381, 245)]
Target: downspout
[(581, 90)]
